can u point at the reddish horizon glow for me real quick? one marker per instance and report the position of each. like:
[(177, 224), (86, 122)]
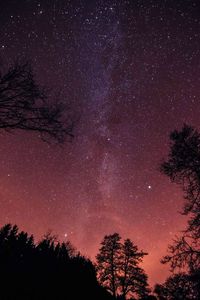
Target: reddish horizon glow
[(130, 69)]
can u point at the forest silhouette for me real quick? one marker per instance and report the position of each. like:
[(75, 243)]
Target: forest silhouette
[(46, 270)]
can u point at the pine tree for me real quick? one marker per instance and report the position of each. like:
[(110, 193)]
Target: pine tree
[(118, 268), (108, 260)]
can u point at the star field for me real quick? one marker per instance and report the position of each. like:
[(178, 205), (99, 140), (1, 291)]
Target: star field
[(130, 71)]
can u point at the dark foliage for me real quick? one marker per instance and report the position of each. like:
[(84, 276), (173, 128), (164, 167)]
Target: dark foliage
[(183, 167), (47, 270), (24, 105), (179, 286)]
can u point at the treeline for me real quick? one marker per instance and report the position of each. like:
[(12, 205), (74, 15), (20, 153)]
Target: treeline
[(46, 270), (53, 270)]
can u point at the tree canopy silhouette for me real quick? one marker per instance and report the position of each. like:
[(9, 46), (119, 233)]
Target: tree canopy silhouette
[(118, 268), (44, 270), (24, 105), (178, 287), (183, 167)]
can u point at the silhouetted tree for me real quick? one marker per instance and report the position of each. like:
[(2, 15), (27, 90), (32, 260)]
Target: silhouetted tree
[(133, 280), (183, 168), (118, 268), (24, 105), (177, 287), (108, 262)]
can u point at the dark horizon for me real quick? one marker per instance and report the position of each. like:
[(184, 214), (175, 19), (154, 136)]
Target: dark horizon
[(130, 71)]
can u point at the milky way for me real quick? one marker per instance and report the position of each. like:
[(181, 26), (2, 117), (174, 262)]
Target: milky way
[(130, 72)]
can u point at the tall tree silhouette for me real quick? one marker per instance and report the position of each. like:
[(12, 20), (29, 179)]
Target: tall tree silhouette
[(24, 105), (118, 268), (108, 262), (133, 279), (183, 167)]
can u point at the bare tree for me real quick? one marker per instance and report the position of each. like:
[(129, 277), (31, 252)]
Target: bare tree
[(183, 167), (24, 105)]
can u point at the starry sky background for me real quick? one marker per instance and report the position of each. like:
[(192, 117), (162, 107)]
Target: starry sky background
[(130, 70)]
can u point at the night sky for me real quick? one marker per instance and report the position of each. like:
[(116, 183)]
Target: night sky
[(130, 71)]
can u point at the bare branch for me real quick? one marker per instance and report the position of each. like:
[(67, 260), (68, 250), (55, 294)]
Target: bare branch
[(24, 106)]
